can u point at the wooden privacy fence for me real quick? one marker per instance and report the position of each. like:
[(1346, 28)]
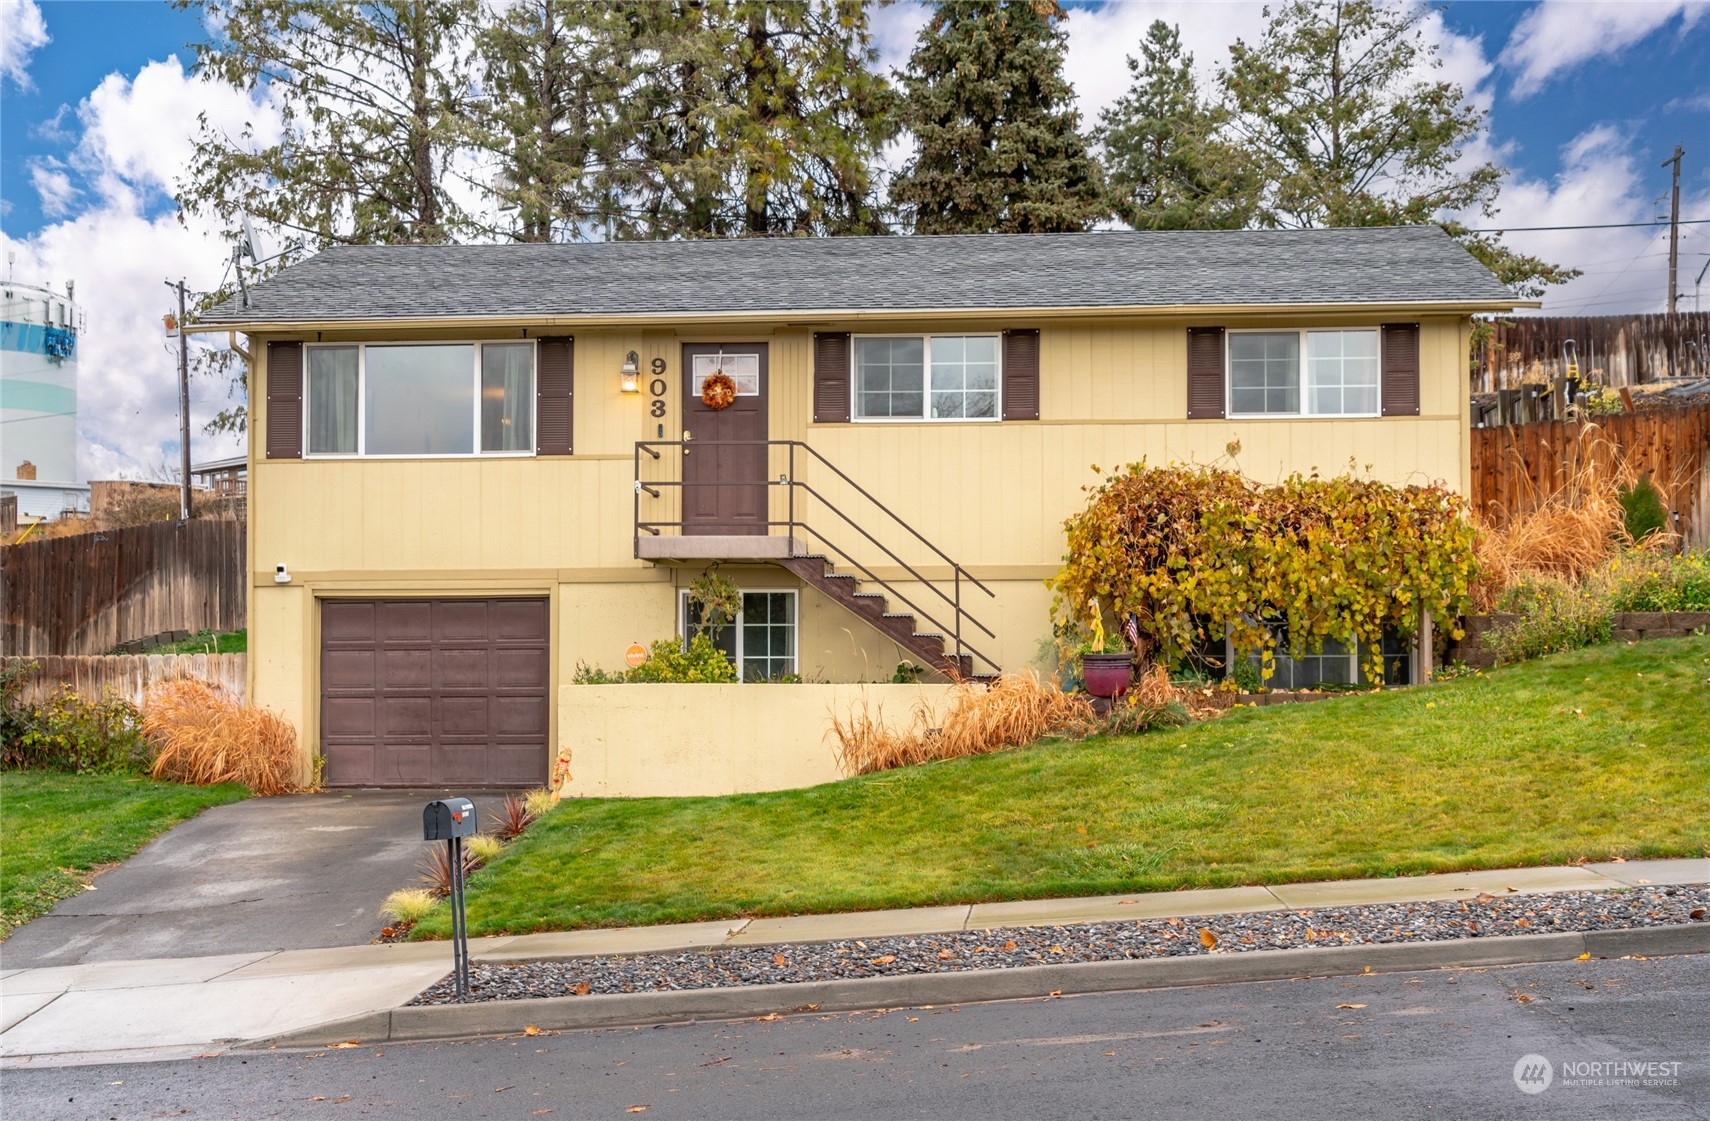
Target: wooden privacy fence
[(130, 675), (88, 593), (1614, 350), (1516, 467)]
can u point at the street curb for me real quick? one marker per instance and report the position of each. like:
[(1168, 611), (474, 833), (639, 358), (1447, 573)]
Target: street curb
[(502, 1017)]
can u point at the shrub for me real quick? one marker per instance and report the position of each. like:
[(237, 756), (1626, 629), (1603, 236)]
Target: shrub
[(483, 847), (70, 733), (204, 736), (1660, 582), (1181, 552), (593, 675), (1555, 615), (1642, 511), (540, 802), (435, 869), (668, 661)]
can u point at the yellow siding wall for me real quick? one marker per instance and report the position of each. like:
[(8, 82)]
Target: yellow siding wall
[(991, 495)]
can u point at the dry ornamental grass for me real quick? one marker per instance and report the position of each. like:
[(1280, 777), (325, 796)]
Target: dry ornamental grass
[(203, 735), (1015, 710)]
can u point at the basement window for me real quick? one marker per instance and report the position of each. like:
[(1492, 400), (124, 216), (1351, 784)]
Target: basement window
[(762, 640), (420, 400)]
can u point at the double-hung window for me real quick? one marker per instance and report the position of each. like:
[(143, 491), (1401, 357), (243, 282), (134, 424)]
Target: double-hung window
[(761, 642), (1304, 373), (420, 399), (927, 377)]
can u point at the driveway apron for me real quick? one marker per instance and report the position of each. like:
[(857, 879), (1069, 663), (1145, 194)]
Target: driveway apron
[(290, 873)]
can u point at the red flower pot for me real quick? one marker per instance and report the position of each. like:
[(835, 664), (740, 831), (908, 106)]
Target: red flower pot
[(1107, 675)]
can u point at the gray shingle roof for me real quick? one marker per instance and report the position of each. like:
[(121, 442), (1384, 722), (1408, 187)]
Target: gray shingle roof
[(1098, 270)]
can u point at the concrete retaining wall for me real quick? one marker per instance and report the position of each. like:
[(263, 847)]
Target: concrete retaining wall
[(644, 741)]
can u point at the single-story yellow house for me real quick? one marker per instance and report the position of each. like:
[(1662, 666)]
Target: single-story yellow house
[(474, 469)]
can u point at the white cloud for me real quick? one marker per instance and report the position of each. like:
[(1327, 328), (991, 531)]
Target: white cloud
[(135, 137), (22, 32), (1557, 35), (54, 186), (1602, 182)]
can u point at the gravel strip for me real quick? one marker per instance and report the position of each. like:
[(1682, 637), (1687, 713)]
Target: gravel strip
[(1486, 916)]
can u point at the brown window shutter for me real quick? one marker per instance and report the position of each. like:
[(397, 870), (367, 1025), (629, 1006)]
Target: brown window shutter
[(1204, 373), (1400, 378), (554, 381), (830, 377), (284, 400), (1021, 374)]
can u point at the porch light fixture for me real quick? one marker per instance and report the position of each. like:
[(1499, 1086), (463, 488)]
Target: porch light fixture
[(629, 372)]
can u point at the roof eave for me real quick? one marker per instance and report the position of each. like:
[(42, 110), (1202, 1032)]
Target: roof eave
[(843, 315)]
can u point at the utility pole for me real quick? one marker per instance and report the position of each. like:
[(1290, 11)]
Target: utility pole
[(183, 408), (1674, 262)]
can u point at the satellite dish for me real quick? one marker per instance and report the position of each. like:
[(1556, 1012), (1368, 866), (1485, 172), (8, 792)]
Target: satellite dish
[(248, 242)]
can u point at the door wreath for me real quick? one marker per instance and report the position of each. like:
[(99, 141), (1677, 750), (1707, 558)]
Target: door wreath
[(718, 391)]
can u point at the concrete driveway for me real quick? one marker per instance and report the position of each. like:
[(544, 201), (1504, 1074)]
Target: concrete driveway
[(291, 873)]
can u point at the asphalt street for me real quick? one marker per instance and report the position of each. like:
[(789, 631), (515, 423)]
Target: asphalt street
[(1443, 1043)]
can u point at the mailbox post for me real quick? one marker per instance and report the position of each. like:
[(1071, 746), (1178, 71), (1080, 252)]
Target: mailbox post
[(450, 820)]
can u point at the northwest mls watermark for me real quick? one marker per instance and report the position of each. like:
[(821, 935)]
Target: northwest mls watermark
[(1534, 1074)]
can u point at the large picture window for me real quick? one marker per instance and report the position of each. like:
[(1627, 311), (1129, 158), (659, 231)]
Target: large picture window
[(1338, 375), (421, 400), (926, 377), (761, 643)]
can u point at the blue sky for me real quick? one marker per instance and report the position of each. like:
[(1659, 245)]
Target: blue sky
[(1586, 99)]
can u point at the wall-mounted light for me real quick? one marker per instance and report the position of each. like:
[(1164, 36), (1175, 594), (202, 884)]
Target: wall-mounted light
[(630, 372)]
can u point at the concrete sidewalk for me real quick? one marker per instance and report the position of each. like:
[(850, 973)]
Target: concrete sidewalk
[(178, 1007)]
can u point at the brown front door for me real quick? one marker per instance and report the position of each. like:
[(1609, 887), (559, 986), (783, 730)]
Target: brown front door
[(434, 692), (724, 488)]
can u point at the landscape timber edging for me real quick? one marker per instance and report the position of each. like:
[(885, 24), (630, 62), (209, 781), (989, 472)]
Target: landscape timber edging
[(505, 1017)]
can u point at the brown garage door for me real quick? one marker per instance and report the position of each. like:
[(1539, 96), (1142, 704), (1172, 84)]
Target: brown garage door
[(434, 692)]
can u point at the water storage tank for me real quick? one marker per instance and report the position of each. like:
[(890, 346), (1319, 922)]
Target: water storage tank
[(38, 399)]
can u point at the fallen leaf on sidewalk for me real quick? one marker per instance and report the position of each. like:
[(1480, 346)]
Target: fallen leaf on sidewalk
[(1206, 938), (767, 1018), (1484, 897), (1126, 902), (1585, 956), (778, 959), (502, 1089), (1008, 946), (1695, 913), (636, 1109), (582, 989), (884, 960), (1350, 1006), (530, 1029), (538, 1112), (1056, 992), (947, 953), (346, 1044)]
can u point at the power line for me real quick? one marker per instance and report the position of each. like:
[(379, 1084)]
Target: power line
[(1598, 226)]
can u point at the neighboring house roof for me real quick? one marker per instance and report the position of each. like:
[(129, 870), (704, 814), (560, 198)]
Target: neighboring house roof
[(1100, 270)]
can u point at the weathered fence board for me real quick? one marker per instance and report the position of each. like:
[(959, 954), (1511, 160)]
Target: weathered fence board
[(1516, 467), (88, 593), (1614, 350), (130, 675)]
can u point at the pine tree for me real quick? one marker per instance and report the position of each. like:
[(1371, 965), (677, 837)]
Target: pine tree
[(375, 100), (994, 120), (749, 118), (554, 72), (1329, 108), (1165, 162)]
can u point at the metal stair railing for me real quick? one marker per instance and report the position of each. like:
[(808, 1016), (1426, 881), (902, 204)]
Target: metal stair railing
[(793, 521)]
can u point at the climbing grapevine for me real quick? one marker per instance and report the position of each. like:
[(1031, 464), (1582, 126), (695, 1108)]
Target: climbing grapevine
[(1187, 552)]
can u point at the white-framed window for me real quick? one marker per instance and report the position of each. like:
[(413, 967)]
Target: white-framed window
[(1311, 372), (419, 399), (927, 377), (761, 643)]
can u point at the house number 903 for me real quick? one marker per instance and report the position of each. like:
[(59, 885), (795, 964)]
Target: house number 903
[(658, 388)]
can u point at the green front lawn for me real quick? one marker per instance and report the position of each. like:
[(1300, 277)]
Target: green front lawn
[(55, 829), (1598, 753)]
